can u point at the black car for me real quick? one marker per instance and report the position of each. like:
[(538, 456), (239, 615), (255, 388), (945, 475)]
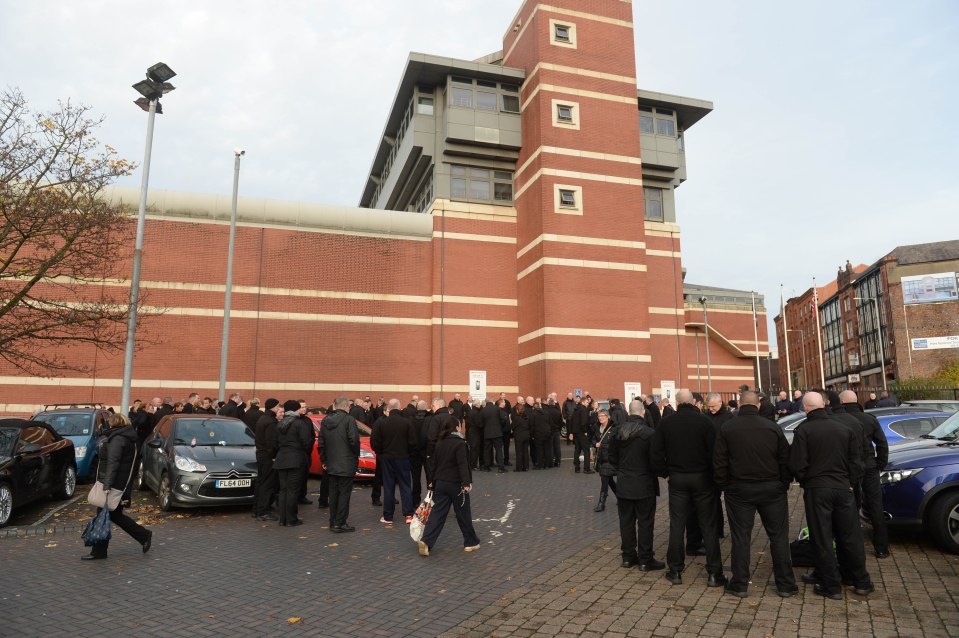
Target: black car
[(195, 460), (35, 462)]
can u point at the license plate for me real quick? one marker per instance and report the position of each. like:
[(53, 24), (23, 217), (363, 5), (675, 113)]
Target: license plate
[(233, 483)]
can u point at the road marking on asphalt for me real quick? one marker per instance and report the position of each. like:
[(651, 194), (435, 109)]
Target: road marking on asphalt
[(510, 504), (55, 510)]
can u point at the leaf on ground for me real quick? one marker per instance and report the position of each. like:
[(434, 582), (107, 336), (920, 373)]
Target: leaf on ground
[(50, 545), (572, 591), (333, 545), (550, 529), (293, 620)]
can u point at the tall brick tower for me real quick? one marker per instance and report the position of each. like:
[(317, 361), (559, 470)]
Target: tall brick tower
[(581, 272)]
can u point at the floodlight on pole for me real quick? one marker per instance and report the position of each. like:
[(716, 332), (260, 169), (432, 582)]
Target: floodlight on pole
[(151, 89)]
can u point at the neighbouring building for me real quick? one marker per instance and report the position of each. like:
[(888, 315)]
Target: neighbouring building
[(517, 225)]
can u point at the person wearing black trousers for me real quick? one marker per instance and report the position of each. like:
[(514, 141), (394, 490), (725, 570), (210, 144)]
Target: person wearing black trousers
[(267, 480), (293, 438), (541, 435), (555, 417), (631, 456), (305, 474), (578, 430), (117, 451), (876, 456), (492, 437), (452, 483), (339, 449), (521, 434), (474, 434), (607, 472)]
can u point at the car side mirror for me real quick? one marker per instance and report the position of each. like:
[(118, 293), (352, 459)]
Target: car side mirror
[(156, 443)]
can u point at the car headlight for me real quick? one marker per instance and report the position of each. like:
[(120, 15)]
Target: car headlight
[(81, 451), (889, 477), (188, 465), (366, 454)]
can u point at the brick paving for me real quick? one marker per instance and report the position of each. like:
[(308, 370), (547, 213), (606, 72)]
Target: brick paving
[(548, 567)]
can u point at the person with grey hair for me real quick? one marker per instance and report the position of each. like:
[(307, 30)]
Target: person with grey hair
[(164, 408), (683, 453), (394, 440), (339, 447), (605, 468), (875, 458)]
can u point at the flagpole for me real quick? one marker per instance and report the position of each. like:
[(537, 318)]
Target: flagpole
[(759, 371), (789, 376), (822, 367)]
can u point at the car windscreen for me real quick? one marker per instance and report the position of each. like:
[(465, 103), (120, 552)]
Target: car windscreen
[(211, 432), (947, 431), (68, 424), (8, 438)]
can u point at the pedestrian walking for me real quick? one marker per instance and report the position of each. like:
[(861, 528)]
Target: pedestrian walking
[(293, 437), (452, 483), (117, 449), (631, 455), (394, 441), (339, 448), (605, 468), (752, 465)]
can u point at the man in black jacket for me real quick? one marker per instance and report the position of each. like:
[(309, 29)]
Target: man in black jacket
[(716, 410), (617, 413), (492, 437), (251, 416), (541, 436), (826, 458), (410, 409), (683, 450), (308, 458), (474, 436), (752, 466), (190, 405), (577, 427), (555, 416), (394, 440), (631, 453), (234, 407), (164, 408), (339, 447), (875, 457), (419, 454), (456, 406), (267, 481), (653, 415)]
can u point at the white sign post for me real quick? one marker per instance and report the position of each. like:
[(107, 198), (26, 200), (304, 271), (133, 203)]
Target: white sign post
[(477, 384), (632, 391), (668, 390)]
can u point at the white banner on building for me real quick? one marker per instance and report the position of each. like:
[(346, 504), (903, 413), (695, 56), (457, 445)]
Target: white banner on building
[(668, 390), (936, 343), (477, 384), (632, 391), (931, 288)]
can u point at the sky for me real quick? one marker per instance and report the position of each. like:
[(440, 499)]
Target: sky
[(834, 134)]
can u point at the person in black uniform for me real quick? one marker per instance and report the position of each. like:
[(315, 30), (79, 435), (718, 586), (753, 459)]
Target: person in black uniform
[(826, 457), (293, 437), (541, 435), (308, 455), (339, 448), (474, 436), (418, 455), (492, 437), (555, 416), (505, 412), (267, 480), (875, 458), (456, 407), (751, 462), (631, 455), (520, 424), (605, 467), (577, 428), (683, 454)]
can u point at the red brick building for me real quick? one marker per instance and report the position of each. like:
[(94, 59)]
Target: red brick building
[(518, 219)]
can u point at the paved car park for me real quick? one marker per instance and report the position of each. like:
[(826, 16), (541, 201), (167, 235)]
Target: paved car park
[(549, 566)]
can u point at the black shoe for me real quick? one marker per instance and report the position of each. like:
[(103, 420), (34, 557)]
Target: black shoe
[(377, 502), (652, 565), (696, 551), (786, 593), (149, 541), (267, 517), (716, 580), (323, 504), (576, 470), (629, 563), (295, 523), (588, 471), (822, 591), (810, 578), (92, 557), (865, 590), (882, 554), (675, 578), (305, 501), (601, 506), (734, 592), (345, 528), (502, 470)]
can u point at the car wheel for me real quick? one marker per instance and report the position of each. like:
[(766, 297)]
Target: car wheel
[(6, 503), (944, 521), (163, 494), (68, 483)]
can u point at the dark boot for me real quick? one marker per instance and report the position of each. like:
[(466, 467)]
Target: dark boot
[(601, 506)]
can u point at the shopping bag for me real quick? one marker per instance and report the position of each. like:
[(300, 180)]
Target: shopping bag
[(98, 529), (420, 517), (98, 495)]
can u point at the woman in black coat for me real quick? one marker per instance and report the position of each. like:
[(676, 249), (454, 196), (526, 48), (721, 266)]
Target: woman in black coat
[(452, 482), (606, 470), (117, 450), (293, 437), (520, 419)]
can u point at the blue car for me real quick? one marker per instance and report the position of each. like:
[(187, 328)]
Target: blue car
[(920, 485), (900, 425), (83, 427)]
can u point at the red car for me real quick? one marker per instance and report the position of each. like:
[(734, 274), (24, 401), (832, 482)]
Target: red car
[(367, 466)]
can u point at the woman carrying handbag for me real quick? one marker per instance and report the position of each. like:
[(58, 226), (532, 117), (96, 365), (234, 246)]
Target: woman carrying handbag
[(117, 450)]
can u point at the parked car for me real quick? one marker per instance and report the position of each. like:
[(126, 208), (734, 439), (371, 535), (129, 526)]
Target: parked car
[(920, 485), (934, 404), (199, 460), (82, 426), (897, 424), (35, 462), (367, 468)]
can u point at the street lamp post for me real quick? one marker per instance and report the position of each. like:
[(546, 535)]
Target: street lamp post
[(152, 88), (882, 349), (802, 341), (709, 370), (225, 343)]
